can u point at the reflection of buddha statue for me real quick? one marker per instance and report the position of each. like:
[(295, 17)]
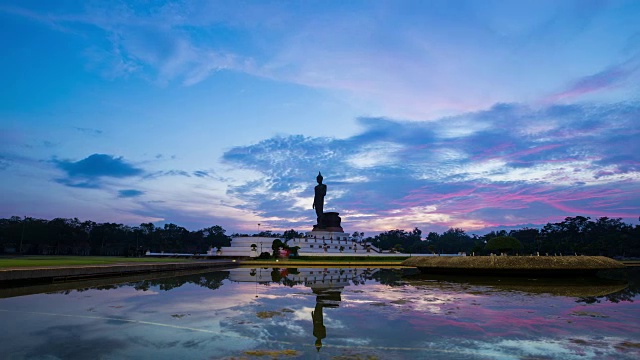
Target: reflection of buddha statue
[(319, 331), (325, 297), (318, 199)]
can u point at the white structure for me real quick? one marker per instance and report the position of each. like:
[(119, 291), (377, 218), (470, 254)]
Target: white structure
[(317, 243), (311, 277)]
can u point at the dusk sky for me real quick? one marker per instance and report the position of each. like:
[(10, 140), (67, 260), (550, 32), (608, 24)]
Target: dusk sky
[(430, 114)]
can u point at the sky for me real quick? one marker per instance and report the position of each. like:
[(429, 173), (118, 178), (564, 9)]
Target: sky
[(478, 115)]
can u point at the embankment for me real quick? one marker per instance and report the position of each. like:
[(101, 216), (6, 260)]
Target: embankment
[(514, 265), (53, 273)]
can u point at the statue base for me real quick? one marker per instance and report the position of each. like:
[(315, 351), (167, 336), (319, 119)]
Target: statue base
[(327, 229), (327, 235), (330, 228), (330, 223)]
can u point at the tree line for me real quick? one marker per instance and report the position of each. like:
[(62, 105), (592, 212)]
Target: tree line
[(74, 237), (574, 235)]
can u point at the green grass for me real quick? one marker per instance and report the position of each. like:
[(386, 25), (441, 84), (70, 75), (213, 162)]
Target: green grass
[(43, 260)]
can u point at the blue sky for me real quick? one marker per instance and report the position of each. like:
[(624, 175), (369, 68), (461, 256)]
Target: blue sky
[(429, 114)]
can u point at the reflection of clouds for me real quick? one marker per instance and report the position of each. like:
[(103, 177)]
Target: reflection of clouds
[(449, 309), (289, 325), (596, 347), (215, 303), (303, 313), (332, 319), (84, 339), (435, 319), (125, 293), (358, 341), (407, 298)]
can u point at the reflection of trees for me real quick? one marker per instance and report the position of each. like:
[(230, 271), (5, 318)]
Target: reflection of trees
[(614, 286), (392, 277), (627, 294), (212, 280), (101, 287), (281, 276)]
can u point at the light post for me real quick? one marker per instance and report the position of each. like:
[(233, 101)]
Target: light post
[(24, 223)]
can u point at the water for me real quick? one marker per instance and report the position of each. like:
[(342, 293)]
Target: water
[(317, 313)]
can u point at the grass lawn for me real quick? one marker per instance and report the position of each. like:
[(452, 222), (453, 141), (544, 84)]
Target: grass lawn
[(44, 260)]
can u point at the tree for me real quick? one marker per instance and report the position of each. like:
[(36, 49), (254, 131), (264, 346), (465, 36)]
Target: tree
[(294, 250), (267, 233), (389, 239), (503, 244), (215, 236), (276, 245), (291, 234), (529, 238), (421, 247), (452, 241)]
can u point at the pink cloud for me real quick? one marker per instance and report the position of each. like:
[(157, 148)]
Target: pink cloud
[(606, 79), (589, 201), (502, 152)]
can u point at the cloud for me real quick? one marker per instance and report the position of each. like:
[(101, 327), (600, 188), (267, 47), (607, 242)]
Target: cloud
[(98, 165), (201, 173), (81, 184), (611, 77), (505, 165), (88, 172), (395, 70), (88, 131), (158, 44), (4, 163), (130, 193), (161, 173)]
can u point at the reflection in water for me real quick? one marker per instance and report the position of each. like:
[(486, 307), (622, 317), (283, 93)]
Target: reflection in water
[(319, 330), (210, 280), (573, 287), (326, 283), (164, 280), (328, 313), (326, 296)]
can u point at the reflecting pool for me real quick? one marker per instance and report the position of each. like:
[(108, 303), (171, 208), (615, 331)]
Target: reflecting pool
[(323, 313)]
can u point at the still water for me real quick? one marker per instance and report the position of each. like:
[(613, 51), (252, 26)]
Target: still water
[(323, 313)]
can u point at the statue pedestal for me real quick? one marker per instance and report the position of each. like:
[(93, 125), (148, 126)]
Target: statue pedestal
[(330, 223), (331, 229)]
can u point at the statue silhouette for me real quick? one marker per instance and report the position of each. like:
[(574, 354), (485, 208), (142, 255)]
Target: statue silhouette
[(318, 200), (325, 297), (319, 330)]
